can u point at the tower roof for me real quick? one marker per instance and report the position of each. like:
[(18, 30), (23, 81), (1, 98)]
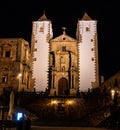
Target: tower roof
[(86, 17), (43, 17)]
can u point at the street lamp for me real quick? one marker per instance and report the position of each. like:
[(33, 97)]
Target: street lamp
[(112, 94), (19, 75), (19, 79), (69, 102), (53, 102)]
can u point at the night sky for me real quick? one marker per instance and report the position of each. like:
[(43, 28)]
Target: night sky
[(16, 22)]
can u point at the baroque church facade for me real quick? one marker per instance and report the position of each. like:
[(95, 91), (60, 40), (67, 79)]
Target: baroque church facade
[(65, 64), (61, 65)]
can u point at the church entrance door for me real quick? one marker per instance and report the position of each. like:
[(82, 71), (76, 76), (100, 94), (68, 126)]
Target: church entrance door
[(62, 86)]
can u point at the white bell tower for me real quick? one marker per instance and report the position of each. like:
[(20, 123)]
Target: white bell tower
[(88, 53), (41, 34)]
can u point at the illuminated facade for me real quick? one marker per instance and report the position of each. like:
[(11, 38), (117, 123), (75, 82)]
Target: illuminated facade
[(41, 34), (112, 85), (61, 65), (88, 53), (15, 70), (65, 65)]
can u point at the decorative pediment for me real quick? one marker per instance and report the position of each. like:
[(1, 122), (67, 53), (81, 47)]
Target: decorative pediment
[(63, 38)]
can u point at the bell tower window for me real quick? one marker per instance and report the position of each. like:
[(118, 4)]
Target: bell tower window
[(87, 29)]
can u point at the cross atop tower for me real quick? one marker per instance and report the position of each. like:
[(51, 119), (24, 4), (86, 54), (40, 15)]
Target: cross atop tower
[(64, 28)]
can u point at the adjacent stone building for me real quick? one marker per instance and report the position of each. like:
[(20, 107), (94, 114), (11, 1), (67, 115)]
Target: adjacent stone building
[(111, 86), (15, 72)]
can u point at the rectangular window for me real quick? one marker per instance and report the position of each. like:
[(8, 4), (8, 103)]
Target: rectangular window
[(41, 29), (87, 29), (7, 54), (63, 48), (4, 78)]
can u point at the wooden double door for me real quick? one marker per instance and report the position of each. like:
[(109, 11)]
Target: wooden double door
[(63, 88)]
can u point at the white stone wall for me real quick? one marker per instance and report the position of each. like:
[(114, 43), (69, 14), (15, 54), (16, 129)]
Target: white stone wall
[(87, 54), (41, 32)]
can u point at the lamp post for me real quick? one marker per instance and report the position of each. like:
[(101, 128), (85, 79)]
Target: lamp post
[(19, 80), (112, 94)]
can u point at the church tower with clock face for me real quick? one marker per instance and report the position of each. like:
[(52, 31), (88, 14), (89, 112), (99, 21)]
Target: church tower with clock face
[(41, 34), (88, 53)]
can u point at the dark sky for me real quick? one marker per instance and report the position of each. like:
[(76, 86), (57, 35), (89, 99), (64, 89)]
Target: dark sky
[(16, 21)]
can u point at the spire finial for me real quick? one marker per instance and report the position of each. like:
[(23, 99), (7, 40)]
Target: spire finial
[(43, 17), (64, 28)]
